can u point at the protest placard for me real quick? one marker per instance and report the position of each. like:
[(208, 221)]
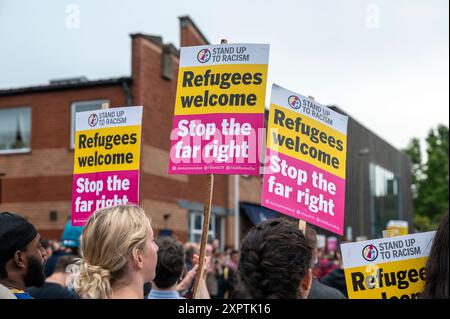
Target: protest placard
[(219, 109), (387, 268), (397, 227), (106, 160), (305, 160)]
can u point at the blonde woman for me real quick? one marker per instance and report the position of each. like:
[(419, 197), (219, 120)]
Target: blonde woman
[(118, 254)]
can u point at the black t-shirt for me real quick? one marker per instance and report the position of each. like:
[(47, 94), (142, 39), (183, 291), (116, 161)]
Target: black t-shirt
[(52, 290)]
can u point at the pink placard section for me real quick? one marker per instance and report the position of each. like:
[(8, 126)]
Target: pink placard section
[(303, 191), (97, 190), (216, 144)]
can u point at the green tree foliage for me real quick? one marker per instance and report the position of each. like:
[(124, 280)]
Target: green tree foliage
[(430, 178), (414, 152)]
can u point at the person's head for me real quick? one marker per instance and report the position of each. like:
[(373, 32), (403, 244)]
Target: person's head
[(70, 238), (22, 256), (209, 250), (219, 257), (216, 244), (234, 256), (436, 283), (190, 249), (275, 262), (116, 246), (61, 268), (47, 245), (228, 250), (170, 264), (63, 262), (338, 254), (320, 253)]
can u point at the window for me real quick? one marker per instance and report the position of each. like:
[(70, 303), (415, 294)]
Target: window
[(216, 228), (82, 106), (196, 224), (15, 130), (385, 198)]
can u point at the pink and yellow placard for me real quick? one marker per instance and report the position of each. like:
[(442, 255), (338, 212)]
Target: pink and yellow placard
[(219, 110), (107, 159), (304, 174)]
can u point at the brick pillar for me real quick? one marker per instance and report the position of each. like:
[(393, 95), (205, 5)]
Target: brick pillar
[(190, 35)]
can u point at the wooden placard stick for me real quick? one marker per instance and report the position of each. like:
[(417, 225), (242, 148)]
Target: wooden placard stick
[(206, 217), (302, 226), (301, 222)]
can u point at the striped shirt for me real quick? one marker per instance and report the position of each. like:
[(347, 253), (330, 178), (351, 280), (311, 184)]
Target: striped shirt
[(164, 294)]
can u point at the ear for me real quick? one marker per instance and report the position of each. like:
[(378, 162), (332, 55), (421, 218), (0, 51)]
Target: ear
[(138, 259), (305, 285), (20, 259)]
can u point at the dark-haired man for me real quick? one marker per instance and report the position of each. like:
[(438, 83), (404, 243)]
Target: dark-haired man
[(22, 256), (169, 269)]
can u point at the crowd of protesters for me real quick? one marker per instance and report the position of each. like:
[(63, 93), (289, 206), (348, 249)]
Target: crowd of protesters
[(116, 255)]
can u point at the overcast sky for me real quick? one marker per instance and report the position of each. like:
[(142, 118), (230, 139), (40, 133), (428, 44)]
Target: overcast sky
[(385, 62)]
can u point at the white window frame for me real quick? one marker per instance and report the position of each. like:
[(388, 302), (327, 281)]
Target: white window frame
[(72, 116), (21, 150), (194, 231)]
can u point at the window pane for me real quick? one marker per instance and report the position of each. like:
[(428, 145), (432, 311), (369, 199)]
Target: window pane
[(15, 129), (196, 224), (198, 221), (83, 107), (212, 223), (385, 198), (218, 228)]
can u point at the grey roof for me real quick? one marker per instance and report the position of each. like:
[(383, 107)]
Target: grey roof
[(68, 84)]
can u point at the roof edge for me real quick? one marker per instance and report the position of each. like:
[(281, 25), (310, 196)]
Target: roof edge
[(155, 39), (68, 86)]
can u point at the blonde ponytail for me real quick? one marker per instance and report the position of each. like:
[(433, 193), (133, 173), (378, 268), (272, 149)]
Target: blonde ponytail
[(93, 282)]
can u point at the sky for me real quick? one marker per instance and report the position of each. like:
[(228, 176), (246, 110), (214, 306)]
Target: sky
[(385, 62)]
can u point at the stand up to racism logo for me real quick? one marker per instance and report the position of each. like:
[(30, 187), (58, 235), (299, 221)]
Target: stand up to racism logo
[(370, 252), (93, 120), (294, 101), (204, 55)]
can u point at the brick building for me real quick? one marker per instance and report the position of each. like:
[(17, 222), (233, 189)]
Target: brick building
[(36, 156)]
